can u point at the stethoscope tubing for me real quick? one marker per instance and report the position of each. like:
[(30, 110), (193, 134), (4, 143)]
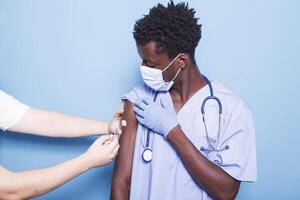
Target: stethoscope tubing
[(210, 97)]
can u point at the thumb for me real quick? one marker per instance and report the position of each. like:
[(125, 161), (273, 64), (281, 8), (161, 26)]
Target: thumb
[(114, 142), (164, 103), (121, 108), (103, 139), (147, 100)]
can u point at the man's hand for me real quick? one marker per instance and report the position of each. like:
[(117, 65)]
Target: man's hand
[(160, 118)]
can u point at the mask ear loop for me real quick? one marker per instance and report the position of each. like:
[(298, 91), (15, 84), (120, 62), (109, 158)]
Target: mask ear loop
[(170, 63), (176, 74)]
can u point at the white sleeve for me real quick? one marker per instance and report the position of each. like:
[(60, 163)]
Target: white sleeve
[(11, 110)]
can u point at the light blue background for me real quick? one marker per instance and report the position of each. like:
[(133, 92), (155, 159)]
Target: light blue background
[(79, 57)]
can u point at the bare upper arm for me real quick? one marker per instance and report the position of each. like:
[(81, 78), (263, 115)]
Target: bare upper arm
[(123, 162)]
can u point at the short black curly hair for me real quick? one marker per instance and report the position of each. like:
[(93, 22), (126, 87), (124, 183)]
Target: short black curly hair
[(174, 29)]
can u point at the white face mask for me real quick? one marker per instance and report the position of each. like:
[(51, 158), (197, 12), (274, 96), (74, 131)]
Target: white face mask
[(154, 77)]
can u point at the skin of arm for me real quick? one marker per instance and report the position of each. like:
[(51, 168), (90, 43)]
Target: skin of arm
[(28, 184), (55, 124), (123, 164), (213, 179)]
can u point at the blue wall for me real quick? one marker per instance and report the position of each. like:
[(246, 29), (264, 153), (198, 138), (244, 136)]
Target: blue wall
[(79, 57)]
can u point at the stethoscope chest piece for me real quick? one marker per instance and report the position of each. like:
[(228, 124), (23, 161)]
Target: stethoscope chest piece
[(147, 155)]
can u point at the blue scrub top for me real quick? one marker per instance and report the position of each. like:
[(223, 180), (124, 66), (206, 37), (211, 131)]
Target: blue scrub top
[(166, 177)]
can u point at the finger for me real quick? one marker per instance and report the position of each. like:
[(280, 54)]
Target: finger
[(147, 100), (121, 108), (140, 119), (140, 104), (102, 139), (118, 114), (115, 150), (115, 124), (111, 137), (138, 111), (114, 142), (118, 132), (164, 103)]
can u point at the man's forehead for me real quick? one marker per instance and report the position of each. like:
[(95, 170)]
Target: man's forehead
[(148, 52), (148, 49)]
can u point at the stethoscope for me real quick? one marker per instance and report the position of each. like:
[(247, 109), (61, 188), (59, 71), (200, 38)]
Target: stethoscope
[(147, 153), (212, 148)]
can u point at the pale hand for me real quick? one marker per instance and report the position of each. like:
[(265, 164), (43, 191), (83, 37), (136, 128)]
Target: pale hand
[(115, 126), (102, 151)]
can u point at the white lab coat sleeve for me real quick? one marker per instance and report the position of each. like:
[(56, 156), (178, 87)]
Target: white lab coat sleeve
[(11, 111), (239, 160)]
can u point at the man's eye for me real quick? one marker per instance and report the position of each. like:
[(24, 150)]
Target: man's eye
[(148, 64)]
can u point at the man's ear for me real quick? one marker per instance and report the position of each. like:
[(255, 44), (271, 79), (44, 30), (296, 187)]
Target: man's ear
[(182, 59)]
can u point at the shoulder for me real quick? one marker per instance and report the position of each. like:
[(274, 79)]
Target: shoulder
[(231, 101), (237, 114), (137, 93)]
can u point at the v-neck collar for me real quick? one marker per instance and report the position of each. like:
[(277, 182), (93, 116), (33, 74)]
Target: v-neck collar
[(198, 92)]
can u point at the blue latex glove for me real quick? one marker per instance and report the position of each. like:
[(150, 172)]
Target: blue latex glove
[(160, 118)]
